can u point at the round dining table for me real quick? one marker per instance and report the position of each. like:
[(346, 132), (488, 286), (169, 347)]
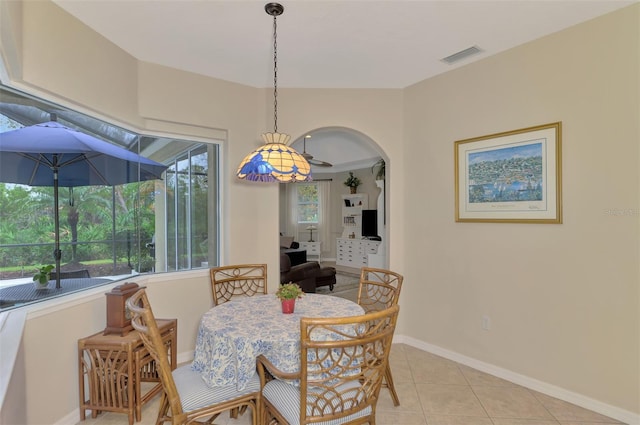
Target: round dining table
[(232, 335)]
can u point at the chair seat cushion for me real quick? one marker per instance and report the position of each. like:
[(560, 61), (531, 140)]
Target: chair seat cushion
[(194, 393), (285, 398)]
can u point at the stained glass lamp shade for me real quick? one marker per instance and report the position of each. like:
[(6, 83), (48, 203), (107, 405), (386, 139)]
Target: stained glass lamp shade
[(275, 162)]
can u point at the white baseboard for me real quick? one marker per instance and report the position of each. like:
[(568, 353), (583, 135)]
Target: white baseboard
[(71, 419), (614, 412), (185, 357), (621, 415)]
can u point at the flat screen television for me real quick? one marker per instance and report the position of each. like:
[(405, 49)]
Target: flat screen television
[(370, 224)]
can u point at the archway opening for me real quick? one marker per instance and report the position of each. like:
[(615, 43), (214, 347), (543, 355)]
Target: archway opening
[(348, 151)]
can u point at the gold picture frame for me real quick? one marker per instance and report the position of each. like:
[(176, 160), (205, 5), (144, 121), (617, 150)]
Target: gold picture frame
[(510, 177)]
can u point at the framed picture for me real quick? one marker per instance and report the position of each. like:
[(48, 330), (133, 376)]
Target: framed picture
[(510, 177)]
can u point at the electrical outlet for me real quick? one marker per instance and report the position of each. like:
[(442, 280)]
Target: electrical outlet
[(486, 322)]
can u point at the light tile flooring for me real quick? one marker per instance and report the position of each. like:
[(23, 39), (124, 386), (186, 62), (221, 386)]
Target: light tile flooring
[(437, 391)]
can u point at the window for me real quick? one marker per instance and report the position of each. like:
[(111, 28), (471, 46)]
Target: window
[(308, 202), (187, 214), (153, 226)]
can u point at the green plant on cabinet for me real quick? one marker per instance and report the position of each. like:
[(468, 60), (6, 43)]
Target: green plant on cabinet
[(378, 169), (352, 182)]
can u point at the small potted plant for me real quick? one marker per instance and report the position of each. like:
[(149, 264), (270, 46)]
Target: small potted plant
[(352, 182), (378, 169), (42, 277), (288, 294)]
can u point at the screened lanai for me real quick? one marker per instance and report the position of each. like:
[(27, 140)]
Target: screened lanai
[(107, 232)]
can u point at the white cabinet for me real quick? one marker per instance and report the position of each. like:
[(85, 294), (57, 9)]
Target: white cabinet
[(351, 250), (355, 252), (352, 213), (379, 260), (312, 248)]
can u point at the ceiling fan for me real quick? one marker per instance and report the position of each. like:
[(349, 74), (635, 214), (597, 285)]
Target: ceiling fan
[(309, 157)]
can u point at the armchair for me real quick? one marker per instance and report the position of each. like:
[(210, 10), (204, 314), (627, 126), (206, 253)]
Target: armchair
[(303, 274), (308, 275)]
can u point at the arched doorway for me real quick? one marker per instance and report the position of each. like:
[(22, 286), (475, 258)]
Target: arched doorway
[(347, 150)]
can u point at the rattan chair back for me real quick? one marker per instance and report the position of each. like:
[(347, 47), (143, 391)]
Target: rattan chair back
[(143, 320), (171, 405), (343, 361), (240, 280), (379, 288)]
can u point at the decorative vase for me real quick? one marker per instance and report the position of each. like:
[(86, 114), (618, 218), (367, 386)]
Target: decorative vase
[(288, 306), (353, 189)]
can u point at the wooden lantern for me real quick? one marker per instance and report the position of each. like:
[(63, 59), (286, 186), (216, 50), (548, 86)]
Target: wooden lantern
[(118, 315)]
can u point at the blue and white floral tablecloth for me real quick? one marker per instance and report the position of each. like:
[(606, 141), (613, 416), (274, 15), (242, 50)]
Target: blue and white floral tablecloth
[(232, 335)]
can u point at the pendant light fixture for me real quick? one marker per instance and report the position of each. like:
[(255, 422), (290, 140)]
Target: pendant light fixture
[(275, 161)]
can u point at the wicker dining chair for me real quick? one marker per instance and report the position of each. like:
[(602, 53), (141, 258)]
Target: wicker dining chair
[(380, 289), (342, 365), (186, 399), (238, 280)]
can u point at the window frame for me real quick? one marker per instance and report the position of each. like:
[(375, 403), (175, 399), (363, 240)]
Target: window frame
[(298, 187), (38, 108)]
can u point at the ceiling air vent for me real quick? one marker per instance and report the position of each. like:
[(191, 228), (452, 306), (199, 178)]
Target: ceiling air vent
[(462, 54)]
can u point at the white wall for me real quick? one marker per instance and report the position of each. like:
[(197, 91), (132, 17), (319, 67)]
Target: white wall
[(563, 299)]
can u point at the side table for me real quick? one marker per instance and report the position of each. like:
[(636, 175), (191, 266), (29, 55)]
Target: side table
[(113, 368), (313, 248)]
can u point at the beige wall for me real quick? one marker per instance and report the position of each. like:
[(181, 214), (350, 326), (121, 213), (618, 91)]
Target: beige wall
[(53, 63), (563, 299), (53, 329)]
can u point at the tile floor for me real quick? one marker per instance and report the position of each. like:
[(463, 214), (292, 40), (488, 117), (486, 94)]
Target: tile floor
[(437, 391)]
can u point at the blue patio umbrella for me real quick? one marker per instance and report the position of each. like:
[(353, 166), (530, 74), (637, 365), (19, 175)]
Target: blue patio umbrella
[(51, 154)]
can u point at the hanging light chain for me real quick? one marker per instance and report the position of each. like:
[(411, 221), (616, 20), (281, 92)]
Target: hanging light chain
[(268, 163), (275, 74)]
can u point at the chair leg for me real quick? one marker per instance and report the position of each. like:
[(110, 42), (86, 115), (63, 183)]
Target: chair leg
[(392, 389), (237, 412), (211, 419), (163, 410)]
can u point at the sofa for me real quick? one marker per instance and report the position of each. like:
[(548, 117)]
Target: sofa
[(308, 275), (287, 242), (297, 256)]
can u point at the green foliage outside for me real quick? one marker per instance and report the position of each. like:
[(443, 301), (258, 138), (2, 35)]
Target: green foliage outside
[(307, 203), (86, 224)]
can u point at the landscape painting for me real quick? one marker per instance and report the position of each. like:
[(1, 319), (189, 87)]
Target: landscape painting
[(511, 174), (510, 177)]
